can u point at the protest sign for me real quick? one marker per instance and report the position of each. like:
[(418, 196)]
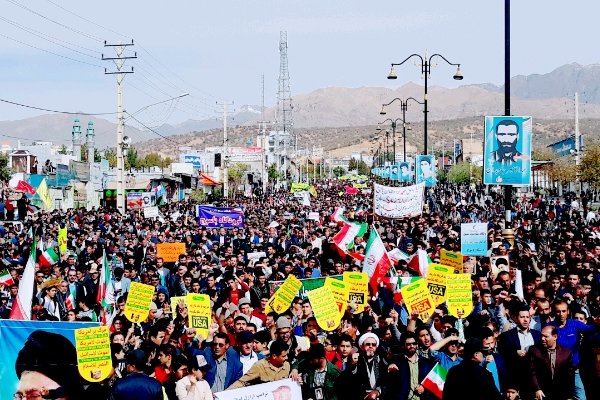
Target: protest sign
[(398, 202), (473, 239), (220, 217), (138, 302), (314, 215), (150, 212), (175, 300), (499, 264), (325, 308), (199, 313), (417, 299), (282, 298), (358, 290), (134, 200), (284, 389), (437, 282), (54, 341), (425, 166), (339, 289), (257, 255), (459, 295), (452, 259), (170, 252), (94, 359), (62, 240), (308, 284)]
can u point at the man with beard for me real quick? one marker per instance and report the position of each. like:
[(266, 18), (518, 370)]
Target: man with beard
[(365, 379), (408, 371), (507, 135)]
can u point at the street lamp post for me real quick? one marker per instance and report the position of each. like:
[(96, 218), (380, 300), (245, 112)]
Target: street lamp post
[(404, 107), (425, 71)]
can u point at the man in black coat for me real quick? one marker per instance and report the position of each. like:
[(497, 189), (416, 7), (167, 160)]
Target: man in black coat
[(469, 380), (136, 385), (551, 368)]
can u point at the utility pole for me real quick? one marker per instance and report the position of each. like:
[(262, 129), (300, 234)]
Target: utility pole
[(577, 147), (120, 73), (507, 188), (225, 150)]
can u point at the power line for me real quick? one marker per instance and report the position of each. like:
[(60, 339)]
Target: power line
[(50, 52), (53, 111), (150, 129), (89, 36), (33, 139)]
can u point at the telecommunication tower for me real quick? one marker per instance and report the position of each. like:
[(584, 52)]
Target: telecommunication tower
[(285, 110)]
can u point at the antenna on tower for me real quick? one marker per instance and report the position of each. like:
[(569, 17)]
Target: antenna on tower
[(285, 116)]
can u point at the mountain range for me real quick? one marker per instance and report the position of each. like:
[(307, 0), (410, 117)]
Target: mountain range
[(355, 110)]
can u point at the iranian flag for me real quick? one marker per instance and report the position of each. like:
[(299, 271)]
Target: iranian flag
[(419, 263), (377, 263), (6, 279), (338, 215), (21, 308), (104, 282), (435, 380), (344, 239), (48, 258)]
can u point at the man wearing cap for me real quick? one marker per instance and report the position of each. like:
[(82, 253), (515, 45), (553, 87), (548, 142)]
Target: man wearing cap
[(245, 352), (284, 333), (317, 375), (246, 310), (469, 380), (365, 379), (193, 386), (136, 385)]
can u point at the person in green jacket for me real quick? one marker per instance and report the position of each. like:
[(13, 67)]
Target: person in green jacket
[(318, 375)]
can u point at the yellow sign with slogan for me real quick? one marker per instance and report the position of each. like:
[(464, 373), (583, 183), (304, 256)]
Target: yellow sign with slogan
[(178, 300), (452, 259), (283, 297), (339, 289), (199, 313), (170, 252), (93, 353), (358, 289), (325, 308), (460, 295), (138, 302), (437, 283), (417, 298)]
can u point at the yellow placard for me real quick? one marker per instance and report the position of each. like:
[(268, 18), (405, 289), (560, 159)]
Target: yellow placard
[(325, 308), (417, 298), (339, 289), (200, 313), (283, 297), (138, 302), (62, 240), (459, 295), (93, 353), (175, 300), (452, 259), (437, 283), (358, 289), (170, 252)]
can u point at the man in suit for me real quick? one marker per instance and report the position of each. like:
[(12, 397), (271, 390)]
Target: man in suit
[(224, 363), (551, 368), (514, 344)]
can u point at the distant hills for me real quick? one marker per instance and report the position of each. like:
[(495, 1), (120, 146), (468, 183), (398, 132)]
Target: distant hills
[(546, 97)]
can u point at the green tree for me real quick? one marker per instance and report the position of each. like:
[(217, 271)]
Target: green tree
[(152, 160), (132, 160), (590, 165), (460, 173), (353, 164), (111, 156), (236, 173), (273, 173), (339, 171), (5, 172), (363, 168), (63, 149)]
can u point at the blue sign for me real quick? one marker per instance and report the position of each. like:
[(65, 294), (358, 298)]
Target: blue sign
[(404, 174), (457, 149), (43, 349), (507, 154), (566, 146), (426, 171), (193, 159), (473, 239), (395, 172), (220, 217)]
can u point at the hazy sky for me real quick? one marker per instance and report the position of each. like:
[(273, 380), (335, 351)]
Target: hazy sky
[(218, 50)]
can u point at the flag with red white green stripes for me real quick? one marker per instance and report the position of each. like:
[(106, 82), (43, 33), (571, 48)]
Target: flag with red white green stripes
[(435, 380), (6, 279)]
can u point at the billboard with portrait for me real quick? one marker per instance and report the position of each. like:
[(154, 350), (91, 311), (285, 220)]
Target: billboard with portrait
[(395, 172), (426, 170), (507, 153), (404, 171)]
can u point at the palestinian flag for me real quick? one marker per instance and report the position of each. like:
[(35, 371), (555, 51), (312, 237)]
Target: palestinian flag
[(435, 380), (6, 279), (48, 258), (377, 263), (419, 263), (104, 282), (344, 239), (338, 215)]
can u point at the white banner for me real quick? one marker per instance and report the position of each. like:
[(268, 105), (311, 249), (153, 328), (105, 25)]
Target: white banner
[(398, 202), (150, 212), (285, 389)]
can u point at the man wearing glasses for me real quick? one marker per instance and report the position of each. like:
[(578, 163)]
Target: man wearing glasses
[(365, 379), (224, 364), (408, 371)]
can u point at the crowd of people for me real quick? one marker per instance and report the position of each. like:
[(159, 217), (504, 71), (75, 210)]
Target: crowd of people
[(543, 344)]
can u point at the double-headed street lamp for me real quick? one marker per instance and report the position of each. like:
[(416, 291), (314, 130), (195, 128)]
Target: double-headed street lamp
[(425, 71), (403, 106), (394, 122)]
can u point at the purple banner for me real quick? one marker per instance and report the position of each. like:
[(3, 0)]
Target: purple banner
[(220, 217)]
